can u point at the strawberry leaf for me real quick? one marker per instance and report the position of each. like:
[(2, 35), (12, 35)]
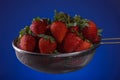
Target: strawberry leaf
[(56, 52), (84, 23), (99, 32), (73, 31), (51, 39), (24, 31), (77, 18), (41, 35), (30, 32), (92, 46), (71, 24), (44, 36), (61, 16), (36, 19), (49, 21), (47, 37)]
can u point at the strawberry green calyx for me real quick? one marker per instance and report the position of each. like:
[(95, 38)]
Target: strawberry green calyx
[(47, 37), (70, 25), (56, 52), (61, 16), (89, 42), (24, 31), (36, 19), (84, 23), (92, 46), (67, 19), (49, 21), (77, 20), (99, 32), (42, 20), (80, 35)]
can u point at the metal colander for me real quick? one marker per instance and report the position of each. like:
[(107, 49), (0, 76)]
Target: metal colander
[(57, 63)]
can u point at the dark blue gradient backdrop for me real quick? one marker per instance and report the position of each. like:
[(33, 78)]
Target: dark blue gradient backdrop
[(15, 14)]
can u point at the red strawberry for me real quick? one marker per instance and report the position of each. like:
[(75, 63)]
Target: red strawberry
[(71, 42), (27, 42), (38, 26), (58, 30), (83, 46), (47, 44), (97, 39), (90, 31), (48, 32)]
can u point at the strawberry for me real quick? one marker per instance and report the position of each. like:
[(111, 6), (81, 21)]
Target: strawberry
[(71, 42), (47, 44), (27, 42), (90, 31), (84, 45), (38, 26), (58, 30), (97, 39), (48, 32)]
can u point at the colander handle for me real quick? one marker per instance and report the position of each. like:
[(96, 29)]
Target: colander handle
[(110, 41)]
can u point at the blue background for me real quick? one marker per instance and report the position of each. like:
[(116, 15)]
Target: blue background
[(15, 14)]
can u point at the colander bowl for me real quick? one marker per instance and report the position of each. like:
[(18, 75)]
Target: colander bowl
[(54, 63)]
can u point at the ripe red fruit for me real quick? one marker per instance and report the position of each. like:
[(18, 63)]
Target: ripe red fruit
[(83, 46), (58, 30), (38, 26), (48, 32), (97, 39), (47, 46), (90, 31), (27, 42), (71, 42)]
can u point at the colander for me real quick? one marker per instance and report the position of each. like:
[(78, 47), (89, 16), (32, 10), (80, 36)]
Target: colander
[(58, 63)]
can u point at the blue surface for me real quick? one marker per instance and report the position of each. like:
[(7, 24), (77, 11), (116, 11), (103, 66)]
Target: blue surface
[(14, 15)]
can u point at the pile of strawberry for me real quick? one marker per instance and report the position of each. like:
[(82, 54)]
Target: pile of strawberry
[(64, 34)]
